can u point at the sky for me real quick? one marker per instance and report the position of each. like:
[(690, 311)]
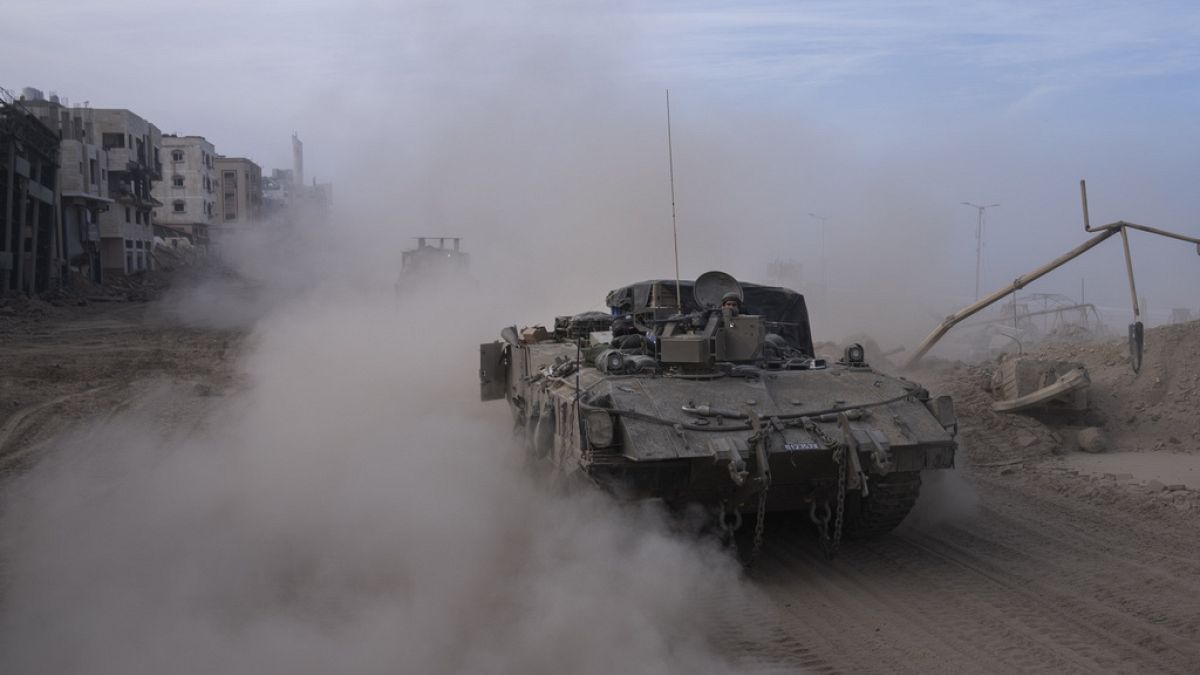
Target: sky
[(881, 117)]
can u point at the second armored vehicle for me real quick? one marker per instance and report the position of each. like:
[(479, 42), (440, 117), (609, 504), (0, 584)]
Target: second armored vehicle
[(429, 261), (709, 393)]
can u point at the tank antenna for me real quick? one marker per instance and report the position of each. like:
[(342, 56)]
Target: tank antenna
[(674, 227)]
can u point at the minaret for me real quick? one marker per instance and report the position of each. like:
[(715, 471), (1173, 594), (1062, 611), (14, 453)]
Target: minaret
[(297, 160)]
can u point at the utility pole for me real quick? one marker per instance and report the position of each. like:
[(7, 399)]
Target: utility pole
[(824, 277), (979, 240)]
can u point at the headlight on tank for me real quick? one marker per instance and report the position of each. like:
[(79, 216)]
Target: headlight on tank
[(855, 356), (610, 361), (600, 428)]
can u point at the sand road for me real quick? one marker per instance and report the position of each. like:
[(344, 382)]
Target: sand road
[(1029, 581)]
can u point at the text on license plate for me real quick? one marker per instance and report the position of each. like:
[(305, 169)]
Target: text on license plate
[(803, 446)]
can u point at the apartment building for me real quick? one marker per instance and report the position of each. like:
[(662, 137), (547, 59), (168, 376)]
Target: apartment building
[(31, 251), (82, 180), (134, 165), (240, 197), (188, 192)]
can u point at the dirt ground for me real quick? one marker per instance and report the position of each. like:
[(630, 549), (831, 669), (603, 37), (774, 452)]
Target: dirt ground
[(69, 365), (1029, 557)]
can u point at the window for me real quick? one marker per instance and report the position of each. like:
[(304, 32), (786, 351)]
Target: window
[(138, 245), (177, 180), (176, 155), (112, 141), (137, 216), (128, 243), (180, 207), (127, 215), (92, 171)]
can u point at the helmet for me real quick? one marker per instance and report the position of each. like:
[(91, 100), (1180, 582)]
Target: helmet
[(732, 295)]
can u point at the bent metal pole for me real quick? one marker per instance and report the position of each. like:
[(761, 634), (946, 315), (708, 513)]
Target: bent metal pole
[(1105, 231), (1017, 284)]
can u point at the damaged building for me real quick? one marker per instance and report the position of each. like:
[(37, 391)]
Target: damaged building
[(134, 165), (107, 164), (82, 181), (32, 257)]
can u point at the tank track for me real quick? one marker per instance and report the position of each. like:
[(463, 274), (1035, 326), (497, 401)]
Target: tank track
[(891, 498)]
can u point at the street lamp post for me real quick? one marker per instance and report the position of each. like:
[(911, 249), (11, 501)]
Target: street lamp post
[(978, 240), (824, 278)]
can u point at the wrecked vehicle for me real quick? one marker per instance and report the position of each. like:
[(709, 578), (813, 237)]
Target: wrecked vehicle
[(674, 397), (1026, 384)]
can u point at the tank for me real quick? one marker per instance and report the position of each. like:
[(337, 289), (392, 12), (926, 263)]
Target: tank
[(708, 393)]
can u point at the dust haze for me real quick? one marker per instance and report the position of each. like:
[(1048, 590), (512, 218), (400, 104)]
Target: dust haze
[(350, 506)]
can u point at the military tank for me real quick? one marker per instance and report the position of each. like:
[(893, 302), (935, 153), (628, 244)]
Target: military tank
[(709, 393)]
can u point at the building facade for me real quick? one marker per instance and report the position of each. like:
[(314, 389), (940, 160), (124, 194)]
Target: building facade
[(240, 197), (134, 166), (188, 191), (31, 251), (82, 181)]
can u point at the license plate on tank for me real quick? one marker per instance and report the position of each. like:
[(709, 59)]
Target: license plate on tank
[(790, 447)]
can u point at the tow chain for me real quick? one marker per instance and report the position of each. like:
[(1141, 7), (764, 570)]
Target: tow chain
[(759, 442), (831, 546), (760, 523), (730, 519), (728, 508), (830, 543)]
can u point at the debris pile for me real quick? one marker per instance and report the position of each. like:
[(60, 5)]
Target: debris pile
[(145, 286), (1151, 410)]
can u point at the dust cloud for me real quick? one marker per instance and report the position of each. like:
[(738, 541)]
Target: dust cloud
[(947, 497), (349, 507)]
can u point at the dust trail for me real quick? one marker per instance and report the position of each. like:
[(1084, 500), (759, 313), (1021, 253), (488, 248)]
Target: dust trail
[(947, 497), (351, 508)]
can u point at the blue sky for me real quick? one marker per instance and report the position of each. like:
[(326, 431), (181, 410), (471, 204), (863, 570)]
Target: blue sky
[(1087, 65), (886, 115)]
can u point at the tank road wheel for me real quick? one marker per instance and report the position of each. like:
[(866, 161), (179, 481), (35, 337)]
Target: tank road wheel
[(891, 498)]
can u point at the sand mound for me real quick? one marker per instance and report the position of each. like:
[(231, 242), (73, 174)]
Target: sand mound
[(1155, 409)]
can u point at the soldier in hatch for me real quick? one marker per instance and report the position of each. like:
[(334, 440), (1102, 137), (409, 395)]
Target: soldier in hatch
[(732, 302)]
